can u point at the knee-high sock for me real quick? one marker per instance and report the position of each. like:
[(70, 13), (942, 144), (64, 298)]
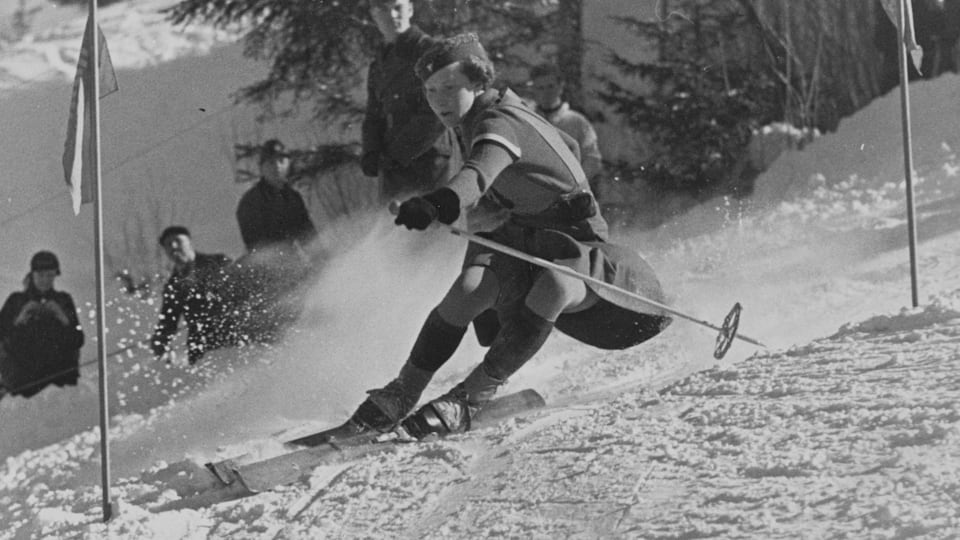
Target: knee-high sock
[(436, 343), (523, 334)]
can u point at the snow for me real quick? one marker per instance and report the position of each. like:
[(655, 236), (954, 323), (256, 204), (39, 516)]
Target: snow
[(845, 427)]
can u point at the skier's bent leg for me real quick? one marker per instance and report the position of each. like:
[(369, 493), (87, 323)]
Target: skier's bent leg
[(386, 406), (474, 291), (439, 338), (523, 334)]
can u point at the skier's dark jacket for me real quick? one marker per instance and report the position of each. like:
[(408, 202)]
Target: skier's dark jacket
[(42, 351), (269, 216), (400, 130), (199, 294)]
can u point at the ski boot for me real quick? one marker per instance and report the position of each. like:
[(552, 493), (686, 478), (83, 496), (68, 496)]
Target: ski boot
[(454, 411), (382, 410)]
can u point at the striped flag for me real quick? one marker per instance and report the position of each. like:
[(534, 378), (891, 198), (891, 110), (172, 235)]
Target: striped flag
[(909, 37), (78, 151)]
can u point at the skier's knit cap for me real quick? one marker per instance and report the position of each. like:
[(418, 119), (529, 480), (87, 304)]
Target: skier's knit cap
[(459, 48), (44, 260), (173, 230), (272, 149)]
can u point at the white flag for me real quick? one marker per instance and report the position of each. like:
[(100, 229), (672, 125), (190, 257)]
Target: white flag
[(79, 147)]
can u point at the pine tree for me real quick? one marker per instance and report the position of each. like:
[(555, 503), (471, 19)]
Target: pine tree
[(319, 50), (706, 98)]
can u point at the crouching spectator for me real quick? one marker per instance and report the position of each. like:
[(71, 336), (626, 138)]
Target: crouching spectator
[(198, 292), (40, 335)]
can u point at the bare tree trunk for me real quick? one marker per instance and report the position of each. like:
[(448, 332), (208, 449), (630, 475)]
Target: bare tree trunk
[(570, 56), (823, 43)]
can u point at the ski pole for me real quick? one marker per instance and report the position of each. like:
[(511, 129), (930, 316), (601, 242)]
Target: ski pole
[(727, 332)]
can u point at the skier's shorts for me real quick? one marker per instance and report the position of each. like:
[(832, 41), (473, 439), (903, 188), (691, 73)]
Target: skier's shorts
[(615, 321)]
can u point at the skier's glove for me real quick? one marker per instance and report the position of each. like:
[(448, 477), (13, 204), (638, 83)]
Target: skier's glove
[(418, 213)]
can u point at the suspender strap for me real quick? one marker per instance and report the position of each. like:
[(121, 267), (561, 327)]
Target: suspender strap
[(550, 135)]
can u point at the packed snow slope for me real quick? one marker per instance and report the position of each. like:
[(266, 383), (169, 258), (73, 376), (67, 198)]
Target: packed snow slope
[(845, 427)]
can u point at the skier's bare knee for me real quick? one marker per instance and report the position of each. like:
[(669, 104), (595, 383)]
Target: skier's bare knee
[(473, 292), (554, 293)]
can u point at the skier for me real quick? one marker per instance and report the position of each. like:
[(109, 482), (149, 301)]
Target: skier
[(40, 332), (404, 143), (197, 291), (524, 163)]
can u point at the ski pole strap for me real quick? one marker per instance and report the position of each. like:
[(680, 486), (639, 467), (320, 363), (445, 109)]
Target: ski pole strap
[(551, 136)]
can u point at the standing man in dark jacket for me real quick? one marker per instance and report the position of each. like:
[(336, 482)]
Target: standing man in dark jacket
[(40, 332), (404, 143), (271, 213), (277, 232), (196, 292)]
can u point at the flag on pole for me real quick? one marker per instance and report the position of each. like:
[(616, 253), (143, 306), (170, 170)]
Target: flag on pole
[(909, 37), (78, 149)]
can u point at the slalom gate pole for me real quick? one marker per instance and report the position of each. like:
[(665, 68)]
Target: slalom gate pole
[(94, 73), (902, 21)]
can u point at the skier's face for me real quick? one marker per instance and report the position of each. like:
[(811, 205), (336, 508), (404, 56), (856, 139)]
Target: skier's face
[(43, 279), (179, 249), (451, 94), (392, 17)]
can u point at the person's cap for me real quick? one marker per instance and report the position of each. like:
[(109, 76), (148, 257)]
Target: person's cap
[(273, 149), (44, 260), (172, 230), (545, 70), (458, 48)]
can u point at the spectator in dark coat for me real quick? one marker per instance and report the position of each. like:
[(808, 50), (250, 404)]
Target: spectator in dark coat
[(40, 332), (197, 292), (404, 143), (272, 214), (277, 232)]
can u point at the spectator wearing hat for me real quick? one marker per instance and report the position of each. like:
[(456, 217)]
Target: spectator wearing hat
[(39, 332), (404, 143), (277, 232), (272, 214), (546, 85), (198, 292)]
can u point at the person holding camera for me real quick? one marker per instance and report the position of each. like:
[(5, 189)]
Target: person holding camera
[(40, 334)]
